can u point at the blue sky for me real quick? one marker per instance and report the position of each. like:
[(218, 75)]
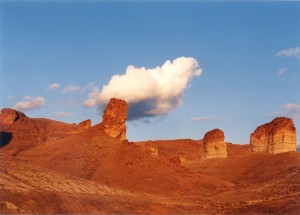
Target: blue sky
[(248, 52)]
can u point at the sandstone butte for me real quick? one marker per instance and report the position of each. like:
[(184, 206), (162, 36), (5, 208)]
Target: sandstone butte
[(214, 145), (114, 118), (274, 137)]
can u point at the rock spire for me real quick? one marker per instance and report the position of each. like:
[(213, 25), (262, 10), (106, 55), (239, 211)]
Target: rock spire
[(114, 118)]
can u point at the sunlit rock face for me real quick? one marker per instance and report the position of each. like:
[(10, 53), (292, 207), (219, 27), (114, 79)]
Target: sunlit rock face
[(84, 124), (274, 137), (214, 145), (9, 116), (114, 118)]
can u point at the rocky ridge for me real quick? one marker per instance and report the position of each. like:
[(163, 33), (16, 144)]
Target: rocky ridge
[(9, 116), (84, 124)]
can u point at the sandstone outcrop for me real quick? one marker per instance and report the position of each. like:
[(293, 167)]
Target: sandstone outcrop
[(274, 137), (9, 116), (153, 151), (114, 118), (84, 124), (214, 145)]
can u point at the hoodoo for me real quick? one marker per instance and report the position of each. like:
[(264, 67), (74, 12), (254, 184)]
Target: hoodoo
[(274, 137), (114, 118), (214, 145)]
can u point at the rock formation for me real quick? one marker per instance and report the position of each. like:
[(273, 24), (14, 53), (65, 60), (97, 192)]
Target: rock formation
[(84, 124), (153, 151), (214, 145), (274, 137), (9, 116), (114, 118)]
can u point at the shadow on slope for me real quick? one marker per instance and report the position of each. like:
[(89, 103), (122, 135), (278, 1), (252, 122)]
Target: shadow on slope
[(5, 138)]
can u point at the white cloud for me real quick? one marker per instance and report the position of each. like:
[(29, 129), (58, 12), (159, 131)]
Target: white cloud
[(92, 98), (29, 103), (11, 97), (289, 109), (149, 92), (291, 52), (71, 88), (87, 87), (280, 72), (201, 118), (73, 102), (63, 114), (292, 110), (54, 86)]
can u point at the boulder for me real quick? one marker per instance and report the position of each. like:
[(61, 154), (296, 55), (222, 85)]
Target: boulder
[(84, 124), (214, 145), (114, 118), (274, 137), (9, 116)]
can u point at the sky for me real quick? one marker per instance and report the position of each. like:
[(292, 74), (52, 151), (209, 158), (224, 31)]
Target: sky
[(184, 67)]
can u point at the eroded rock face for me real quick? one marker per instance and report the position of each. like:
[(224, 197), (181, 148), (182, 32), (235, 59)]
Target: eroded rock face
[(114, 118), (214, 145), (274, 137), (9, 116), (84, 124), (153, 151)]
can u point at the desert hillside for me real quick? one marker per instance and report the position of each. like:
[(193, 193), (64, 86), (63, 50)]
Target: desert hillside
[(53, 167)]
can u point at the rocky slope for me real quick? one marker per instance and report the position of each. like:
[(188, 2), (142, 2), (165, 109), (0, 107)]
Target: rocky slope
[(19, 132), (69, 168), (27, 188)]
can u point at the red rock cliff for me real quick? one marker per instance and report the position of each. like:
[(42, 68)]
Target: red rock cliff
[(9, 116), (214, 145), (274, 137)]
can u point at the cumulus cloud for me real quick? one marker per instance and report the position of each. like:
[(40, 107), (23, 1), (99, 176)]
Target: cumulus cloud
[(288, 109), (201, 118), (30, 103), (71, 88), (63, 114), (291, 52), (54, 86), (93, 97), (149, 92), (280, 72)]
